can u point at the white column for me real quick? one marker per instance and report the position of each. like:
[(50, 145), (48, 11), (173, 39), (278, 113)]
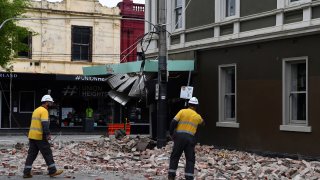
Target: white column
[(236, 28), (147, 16), (279, 16), (217, 11), (279, 19), (307, 14), (237, 8), (281, 4), (182, 38), (216, 31)]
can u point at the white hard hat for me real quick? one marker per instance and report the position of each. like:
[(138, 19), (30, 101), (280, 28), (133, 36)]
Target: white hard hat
[(47, 98), (194, 100)]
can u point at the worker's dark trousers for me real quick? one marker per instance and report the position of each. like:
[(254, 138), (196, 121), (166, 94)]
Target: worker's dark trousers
[(44, 147), (183, 142)]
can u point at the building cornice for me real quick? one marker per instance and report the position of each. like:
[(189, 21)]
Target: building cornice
[(246, 40)]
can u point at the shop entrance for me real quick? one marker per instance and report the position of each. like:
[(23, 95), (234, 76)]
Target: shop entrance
[(73, 111), (4, 109)]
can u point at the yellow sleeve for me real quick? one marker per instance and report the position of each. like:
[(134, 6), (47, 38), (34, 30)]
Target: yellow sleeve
[(178, 116), (200, 120), (44, 116)]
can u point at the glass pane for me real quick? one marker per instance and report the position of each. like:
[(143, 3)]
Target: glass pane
[(298, 77), (178, 18), (85, 36), (230, 8), (230, 109), (84, 53), (298, 106), (26, 101), (76, 35), (76, 52), (26, 46), (230, 79), (178, 3)]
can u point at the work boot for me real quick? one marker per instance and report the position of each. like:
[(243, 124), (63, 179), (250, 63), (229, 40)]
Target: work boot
[(58, 172), (28, 175)]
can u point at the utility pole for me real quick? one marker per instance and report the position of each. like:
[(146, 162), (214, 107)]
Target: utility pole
[(162, 77)]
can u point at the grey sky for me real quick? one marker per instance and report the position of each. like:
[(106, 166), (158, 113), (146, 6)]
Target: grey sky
[(113, 3), (110, 3)]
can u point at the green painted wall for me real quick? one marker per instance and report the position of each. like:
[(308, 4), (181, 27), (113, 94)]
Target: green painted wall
[(197, 35), (184, 55), (199, 13), (258, 23), (175, 39), (293, 16), (226, 29), (316, 12), (249, 7)]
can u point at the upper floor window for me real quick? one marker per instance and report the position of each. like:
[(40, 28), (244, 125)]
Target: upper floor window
[(178, 14), (227, 9), (26, 43), (81, 43), (230, 8), (296, 2)]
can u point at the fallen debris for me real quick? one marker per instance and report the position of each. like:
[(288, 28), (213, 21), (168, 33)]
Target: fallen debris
[(139, 155)]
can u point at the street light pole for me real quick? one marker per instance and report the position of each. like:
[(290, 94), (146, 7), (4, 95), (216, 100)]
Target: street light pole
[(162, 77)]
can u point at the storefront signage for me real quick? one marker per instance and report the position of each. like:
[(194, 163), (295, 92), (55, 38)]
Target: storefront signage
[(80, 78), (90, 78), (85, 91), (8, 75), (93, 91)]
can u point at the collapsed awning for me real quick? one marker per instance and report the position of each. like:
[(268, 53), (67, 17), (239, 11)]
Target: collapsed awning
[(125, 75), (132, 67)]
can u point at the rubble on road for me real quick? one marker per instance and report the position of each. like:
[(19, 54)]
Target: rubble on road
[(135, 155)]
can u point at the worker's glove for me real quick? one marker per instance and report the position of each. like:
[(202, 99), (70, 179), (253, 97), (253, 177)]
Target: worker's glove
[(47, 137)]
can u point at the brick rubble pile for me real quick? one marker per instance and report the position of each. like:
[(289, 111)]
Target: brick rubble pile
[(130, 155)]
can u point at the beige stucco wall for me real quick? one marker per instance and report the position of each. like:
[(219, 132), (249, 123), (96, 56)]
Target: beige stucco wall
[(51, 46)]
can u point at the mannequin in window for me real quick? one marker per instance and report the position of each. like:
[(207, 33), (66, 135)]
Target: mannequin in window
[(89, 112)]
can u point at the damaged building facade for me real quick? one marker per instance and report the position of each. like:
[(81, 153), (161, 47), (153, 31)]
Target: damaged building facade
[(257, 70), (69, 35)]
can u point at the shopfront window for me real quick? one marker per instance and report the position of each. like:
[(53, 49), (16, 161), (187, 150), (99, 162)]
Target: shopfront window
[(26, 101), (74, 111)]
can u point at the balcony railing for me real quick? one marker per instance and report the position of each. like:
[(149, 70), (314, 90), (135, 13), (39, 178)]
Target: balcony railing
[(138, 7)]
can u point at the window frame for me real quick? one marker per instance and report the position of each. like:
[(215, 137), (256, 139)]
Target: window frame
[(226, 122), (173, 15), (223, 10), (288, 124), (29, 56), (34, 101), (89, 45), (294, 3), (177, 19)]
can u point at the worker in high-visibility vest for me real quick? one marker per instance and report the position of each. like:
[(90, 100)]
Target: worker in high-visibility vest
[(39, 136), (182, 129)]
